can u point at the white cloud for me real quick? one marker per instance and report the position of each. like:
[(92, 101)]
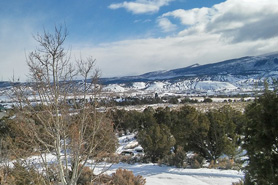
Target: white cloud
[(132, 57), (166, 25), (231, 29), (234, 20), (141, 6), (189, 17)]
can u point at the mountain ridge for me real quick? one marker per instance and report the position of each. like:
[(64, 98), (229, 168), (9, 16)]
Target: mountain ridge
[(243, 66), (243, 75)]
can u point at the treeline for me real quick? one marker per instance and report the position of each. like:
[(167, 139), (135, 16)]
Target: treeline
[(168, 135), (148, 100), (126, 101), (209, 135)]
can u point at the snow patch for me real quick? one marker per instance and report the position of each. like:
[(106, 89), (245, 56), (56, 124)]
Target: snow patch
[(156, 86), (214, 86), (139, 85), (114, 88)]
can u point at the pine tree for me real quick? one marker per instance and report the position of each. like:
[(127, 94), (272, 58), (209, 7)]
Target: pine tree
[(163, 115), (157, 141), (184, 122), (147, 119), (219, 141), (261, 140)]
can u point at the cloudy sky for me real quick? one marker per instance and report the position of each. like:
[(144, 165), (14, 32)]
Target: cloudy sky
[(129, 37)]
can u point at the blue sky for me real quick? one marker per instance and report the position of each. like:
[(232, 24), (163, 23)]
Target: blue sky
[(136, 36)]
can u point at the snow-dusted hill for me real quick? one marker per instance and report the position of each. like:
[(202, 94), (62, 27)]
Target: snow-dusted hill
[(243, 75), (231, 76)]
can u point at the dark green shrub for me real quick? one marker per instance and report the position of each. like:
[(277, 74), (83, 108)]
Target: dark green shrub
[(261, 140), (157, 141), (207, 100), (177, 159)]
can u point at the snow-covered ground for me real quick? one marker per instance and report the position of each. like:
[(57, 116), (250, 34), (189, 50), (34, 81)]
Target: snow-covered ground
[(163, 175), (215, 86), (153, 173), (160, 175)]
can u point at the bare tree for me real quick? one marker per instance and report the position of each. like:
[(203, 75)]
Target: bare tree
[(59, 115)]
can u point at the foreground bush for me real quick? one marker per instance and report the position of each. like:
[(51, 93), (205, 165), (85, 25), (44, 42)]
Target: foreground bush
[(238, 183), (21, 175), (196, 161), (226, 164), (121, 177), (177, 159), (125, 177)]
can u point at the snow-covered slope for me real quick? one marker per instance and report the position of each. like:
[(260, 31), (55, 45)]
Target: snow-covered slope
[(260, 66), (139, 85), (242, 75), (215, 86), (235, 75), (114, 88), (157, 86)]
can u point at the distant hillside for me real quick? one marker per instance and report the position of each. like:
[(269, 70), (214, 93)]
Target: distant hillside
[(258, 67), (4, 84), (244, 75)]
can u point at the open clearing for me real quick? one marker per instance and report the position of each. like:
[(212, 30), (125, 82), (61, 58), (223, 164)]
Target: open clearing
[(164, 175)]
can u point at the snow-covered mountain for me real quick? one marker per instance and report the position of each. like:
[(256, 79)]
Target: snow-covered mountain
[(234, 76), (242, 75)]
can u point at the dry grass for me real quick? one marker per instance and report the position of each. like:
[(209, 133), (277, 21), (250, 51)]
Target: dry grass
[(202, 107)]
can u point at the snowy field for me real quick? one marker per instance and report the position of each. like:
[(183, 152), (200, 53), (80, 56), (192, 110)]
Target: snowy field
[(160, 175), (163, 175)]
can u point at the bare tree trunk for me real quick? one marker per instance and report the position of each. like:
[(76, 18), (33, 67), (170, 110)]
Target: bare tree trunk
[(73, 137)]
